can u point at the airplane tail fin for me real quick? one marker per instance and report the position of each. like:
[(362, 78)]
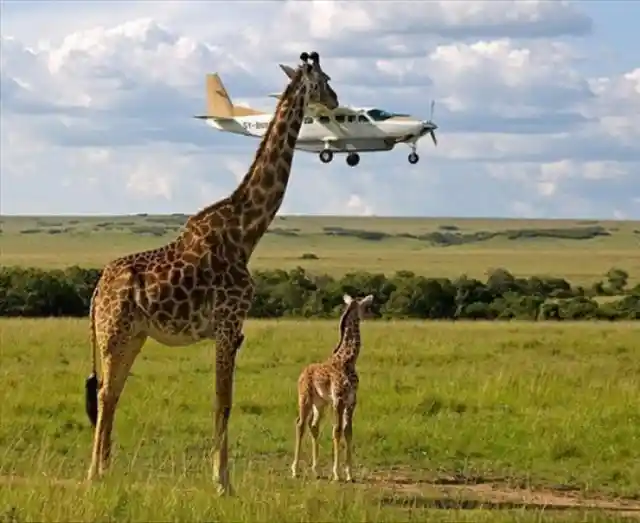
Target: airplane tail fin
[(219, 102)]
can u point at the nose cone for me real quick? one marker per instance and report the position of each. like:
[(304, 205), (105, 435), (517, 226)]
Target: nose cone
[(429, 125)]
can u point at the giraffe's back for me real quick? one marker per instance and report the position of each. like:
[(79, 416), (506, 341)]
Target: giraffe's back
[(326, 383)]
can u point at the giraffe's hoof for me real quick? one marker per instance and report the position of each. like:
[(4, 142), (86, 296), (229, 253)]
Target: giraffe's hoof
[(92, 476), (225, 490)]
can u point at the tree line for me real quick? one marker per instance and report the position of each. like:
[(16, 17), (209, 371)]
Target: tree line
[(33, 292)]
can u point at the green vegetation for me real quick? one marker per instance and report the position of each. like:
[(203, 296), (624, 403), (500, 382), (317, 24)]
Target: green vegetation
[(526, 418), (580, 251), (37, 293), (519, 421)]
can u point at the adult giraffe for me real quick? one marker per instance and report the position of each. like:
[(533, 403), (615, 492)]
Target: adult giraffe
[(198, 286)]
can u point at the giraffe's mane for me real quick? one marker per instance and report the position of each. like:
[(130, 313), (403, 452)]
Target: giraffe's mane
[(239, 190), (293, 84), (236, 195), (343, 325)]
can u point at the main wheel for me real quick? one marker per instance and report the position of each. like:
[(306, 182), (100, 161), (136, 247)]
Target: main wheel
[(413, 158), (326, 156), (353, 159)]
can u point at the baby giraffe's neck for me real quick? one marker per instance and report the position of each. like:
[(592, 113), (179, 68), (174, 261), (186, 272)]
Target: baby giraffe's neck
[(349, 348)]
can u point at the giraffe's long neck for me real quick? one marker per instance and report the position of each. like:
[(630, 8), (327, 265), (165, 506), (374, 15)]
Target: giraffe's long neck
[(260, 194), (348, 348)]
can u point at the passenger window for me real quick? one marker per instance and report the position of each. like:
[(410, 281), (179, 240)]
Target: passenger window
[(362, 119), (340, 118), (324, 119), (307, 120), (351, 118)]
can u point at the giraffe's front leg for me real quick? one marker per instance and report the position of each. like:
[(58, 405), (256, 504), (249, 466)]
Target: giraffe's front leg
[(226, 348), (338, 413)]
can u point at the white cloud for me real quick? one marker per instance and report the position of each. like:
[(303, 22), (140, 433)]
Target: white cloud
[(96, 107), (358, 207)]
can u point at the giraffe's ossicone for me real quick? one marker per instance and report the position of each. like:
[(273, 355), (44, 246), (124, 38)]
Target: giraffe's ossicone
[(198, 286)]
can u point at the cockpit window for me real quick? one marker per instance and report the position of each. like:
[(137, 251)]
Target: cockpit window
[(378, 115)]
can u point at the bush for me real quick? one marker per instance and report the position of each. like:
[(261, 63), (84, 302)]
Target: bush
[(36, 293)]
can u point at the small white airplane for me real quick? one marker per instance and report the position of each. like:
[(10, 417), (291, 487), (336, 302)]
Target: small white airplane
[(348, 130)]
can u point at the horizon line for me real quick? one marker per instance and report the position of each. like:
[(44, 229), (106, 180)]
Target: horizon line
[(336, 216)]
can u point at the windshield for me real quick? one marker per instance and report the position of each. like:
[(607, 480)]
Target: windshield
[(378, 115)]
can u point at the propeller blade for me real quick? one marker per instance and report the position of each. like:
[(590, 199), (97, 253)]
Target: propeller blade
[(433, 137), (433, 106)]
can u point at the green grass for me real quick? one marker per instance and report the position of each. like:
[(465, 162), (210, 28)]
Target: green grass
[(520, 404), (92, 241)]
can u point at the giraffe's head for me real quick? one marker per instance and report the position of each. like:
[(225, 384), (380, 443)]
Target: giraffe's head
[(358, 308), (355, 311), (314, 80)]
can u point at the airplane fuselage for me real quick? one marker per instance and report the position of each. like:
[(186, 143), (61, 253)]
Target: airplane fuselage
[(337, 133)]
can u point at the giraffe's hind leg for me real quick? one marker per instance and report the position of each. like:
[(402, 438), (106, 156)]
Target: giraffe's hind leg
[(348, 438), (314, 430), (304, 413), (117, 359)]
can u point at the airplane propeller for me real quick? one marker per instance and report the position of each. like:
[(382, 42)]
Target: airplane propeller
[(434, 126)]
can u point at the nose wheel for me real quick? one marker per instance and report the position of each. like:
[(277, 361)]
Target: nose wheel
[(353, 159), (413, 158), (326, 156)]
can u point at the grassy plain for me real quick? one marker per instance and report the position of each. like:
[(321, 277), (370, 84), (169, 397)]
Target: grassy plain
[(92, 241), (527, 418)]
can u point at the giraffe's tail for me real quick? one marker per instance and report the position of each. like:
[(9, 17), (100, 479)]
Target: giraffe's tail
[(91, 384)]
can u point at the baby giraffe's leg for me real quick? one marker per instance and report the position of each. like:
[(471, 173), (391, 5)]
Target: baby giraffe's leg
[(314, 430), (348, 436), (304, 412), (338, 416)]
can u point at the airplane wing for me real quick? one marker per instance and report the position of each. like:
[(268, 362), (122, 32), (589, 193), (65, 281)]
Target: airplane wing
[(318, 109)]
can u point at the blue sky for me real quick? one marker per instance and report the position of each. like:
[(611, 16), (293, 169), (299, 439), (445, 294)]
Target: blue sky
[(538, 104)]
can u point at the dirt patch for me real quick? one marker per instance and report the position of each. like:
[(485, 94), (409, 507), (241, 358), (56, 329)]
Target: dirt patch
[(446, 492), (468, 493)]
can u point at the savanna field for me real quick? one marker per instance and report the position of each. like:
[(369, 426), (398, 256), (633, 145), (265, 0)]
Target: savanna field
[(456, 421)]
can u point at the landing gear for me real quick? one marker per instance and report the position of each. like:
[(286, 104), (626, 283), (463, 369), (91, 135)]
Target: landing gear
[(326, 156), (353, 159), (413, 158)]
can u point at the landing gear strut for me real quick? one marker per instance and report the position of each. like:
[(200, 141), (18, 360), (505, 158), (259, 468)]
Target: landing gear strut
[(326, 156), (353, 159), (413, 155)]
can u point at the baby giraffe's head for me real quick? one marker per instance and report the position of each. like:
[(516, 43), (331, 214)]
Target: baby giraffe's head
[(358, 308)]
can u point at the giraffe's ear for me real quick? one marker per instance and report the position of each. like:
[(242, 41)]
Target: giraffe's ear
[(366, 301), (289, 71), (347, 299)]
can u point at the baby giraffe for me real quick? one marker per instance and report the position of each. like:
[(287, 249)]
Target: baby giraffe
[(333, 382)]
